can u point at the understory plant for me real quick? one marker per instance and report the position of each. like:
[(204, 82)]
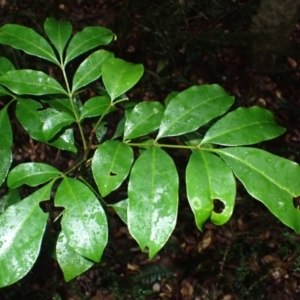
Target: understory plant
[(137, 153)]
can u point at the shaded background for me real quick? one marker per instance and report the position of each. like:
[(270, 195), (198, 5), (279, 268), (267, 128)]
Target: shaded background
[(251, 48)]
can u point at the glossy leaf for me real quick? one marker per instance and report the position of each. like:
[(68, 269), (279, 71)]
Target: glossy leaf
[(26, 39), (121, 209), (153, 199), (4, 92), (143, 119), (244, 126), (6, 159), (59, 33), (193, 108), (120, 128), (12, 197), (31, 82), (101, 131), (84, 222), (5, 144), (119, 76), (110, 165), (88, 39), (61, 104), (31, 173), (56, 123), (90, 69), (32, 119), (6, 65), (269, 178), (71, 263), (95, 107), (208, 178), (22, 229)]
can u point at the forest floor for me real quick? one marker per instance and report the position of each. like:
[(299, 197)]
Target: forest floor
[(253, 256)]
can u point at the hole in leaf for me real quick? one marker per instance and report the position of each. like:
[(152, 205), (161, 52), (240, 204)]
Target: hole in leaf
[(218, 206), (296, 202), (112, 173)]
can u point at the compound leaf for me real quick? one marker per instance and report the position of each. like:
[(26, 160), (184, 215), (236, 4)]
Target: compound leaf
[(244, 126), (143, 119), (209, 179), (269, 178), (110, 165), (31, 173), (84, 221), (22, 229), (153, 199), (26, 39), (192, 108), (119, 76)]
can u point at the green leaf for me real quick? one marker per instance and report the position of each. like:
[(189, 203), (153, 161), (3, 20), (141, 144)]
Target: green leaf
[(12, 197), (59, 33), (119, 76), (193, 108), (71, 263), (4, 92), (56, 123), (22, 229), (84, 222), (120, 128), (269, 178), (170, 97), (244, 126), (121, 209), (153, 199), (61, 104), (95, 107), (32, 119), (6, 159), (31, 82), (87, 39), (90, 69), (208, 178), (110, 165), (101, 131), (26, 39), (31, 173), (143, 119), (5, 144), (6, 65)]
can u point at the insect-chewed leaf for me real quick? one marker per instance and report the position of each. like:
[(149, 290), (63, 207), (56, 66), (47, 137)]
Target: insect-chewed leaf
[(153, 199), (84, 221), (31, 173), (119, 76), (87, 39), (56, 123), (94, 107), (244, 126), (269, 178), (22, 228), (33, 119), (26, 39), (110, 165), (208, 178), (90, 69), (72, 264), (121, 209), (143, 119), (6, 65), (31, 82), (58, 32), (192, 108)]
